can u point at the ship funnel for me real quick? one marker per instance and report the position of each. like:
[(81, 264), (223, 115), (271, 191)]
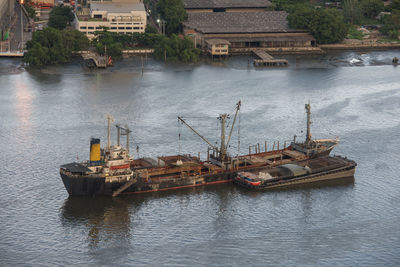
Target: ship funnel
[(95, 151)]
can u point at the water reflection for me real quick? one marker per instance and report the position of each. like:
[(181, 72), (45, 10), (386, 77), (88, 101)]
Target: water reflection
[(106, 218)]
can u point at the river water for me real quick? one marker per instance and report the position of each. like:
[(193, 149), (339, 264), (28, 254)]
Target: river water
[(48, 116)]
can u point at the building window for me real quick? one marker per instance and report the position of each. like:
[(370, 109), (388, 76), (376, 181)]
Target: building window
[(113, 28), (98, 16), (121, 28), (136, 28), (91, 28), (129, 28), (82, 28)]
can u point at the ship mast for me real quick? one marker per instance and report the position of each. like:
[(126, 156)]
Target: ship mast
[(224, 145), (308, 110), (223, 118), (109, 120)]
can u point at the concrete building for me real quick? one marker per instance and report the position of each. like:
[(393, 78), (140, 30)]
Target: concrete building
[(195, 6), (7, 11), (121, 17)]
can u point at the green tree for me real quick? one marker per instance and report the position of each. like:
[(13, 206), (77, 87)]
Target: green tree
[(371, 8), (58, 22), (174, 48), (52, 46), (150, 29), (173, 12), (60, 17), (391, 24), (352, 11), (326, 25), (301, 17)]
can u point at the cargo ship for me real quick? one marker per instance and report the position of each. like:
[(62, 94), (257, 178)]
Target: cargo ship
[(112, 171)]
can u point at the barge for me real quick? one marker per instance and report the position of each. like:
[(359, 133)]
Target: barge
[(112, 170), (301, 172)]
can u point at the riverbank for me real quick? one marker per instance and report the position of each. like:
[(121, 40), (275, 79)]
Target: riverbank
[(368, 44)]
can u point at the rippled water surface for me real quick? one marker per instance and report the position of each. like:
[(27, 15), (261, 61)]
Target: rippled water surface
[(48, 116)]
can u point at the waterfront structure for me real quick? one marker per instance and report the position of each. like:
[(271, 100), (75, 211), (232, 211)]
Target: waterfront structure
[(246, 31), (195, 6), (120, 17), (217, 47)]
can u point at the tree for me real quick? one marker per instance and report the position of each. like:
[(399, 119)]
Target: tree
[(60, 17), (371, 8), (352, 11), (326, 25), (301, 17), (58, 22), (52, 46), (176, 49), (391, 24), (173, 12)]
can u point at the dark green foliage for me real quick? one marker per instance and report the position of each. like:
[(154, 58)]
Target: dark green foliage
[(391, 24), (173, 12), (352, 11), (176, 49), (58, 22), (395, 5), (326, 25), (301, 16), (371, 8), (116, 42), (31, 11), (287, 5), (52, 46), (60, 17), (150, 29)]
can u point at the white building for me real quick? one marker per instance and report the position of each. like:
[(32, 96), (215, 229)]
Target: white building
[(121, 17)]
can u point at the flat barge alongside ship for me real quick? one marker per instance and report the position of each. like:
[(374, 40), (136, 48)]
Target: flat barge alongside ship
[(301, 172), (112, 171)]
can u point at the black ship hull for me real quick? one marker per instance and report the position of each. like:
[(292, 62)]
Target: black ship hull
[(94, 186)]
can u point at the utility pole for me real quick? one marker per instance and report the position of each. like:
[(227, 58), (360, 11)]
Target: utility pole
[(22, 26)]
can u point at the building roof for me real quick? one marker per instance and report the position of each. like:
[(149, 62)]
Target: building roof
[(115, 7), (198, 4), (238, 22), (217, 41)]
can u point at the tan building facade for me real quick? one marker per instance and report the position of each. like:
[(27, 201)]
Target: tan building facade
[(120, 17)]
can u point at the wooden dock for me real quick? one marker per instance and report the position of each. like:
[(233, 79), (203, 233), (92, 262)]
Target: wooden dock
[(12, 54), (265, 59)]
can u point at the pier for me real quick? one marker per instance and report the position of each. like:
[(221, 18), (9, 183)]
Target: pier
[(12, 54), (94, 59), (265, 59)]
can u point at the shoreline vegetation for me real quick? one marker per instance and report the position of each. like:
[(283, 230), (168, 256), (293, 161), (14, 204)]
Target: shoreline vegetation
[(334, 26)]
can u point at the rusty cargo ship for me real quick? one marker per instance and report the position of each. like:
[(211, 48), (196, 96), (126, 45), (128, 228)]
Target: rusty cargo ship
[(112, 171)]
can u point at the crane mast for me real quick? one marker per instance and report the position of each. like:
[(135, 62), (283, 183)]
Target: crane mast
[(224, 145)]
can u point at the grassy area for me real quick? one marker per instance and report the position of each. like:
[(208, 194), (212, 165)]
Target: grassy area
[(389, 40), (354, 33)]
